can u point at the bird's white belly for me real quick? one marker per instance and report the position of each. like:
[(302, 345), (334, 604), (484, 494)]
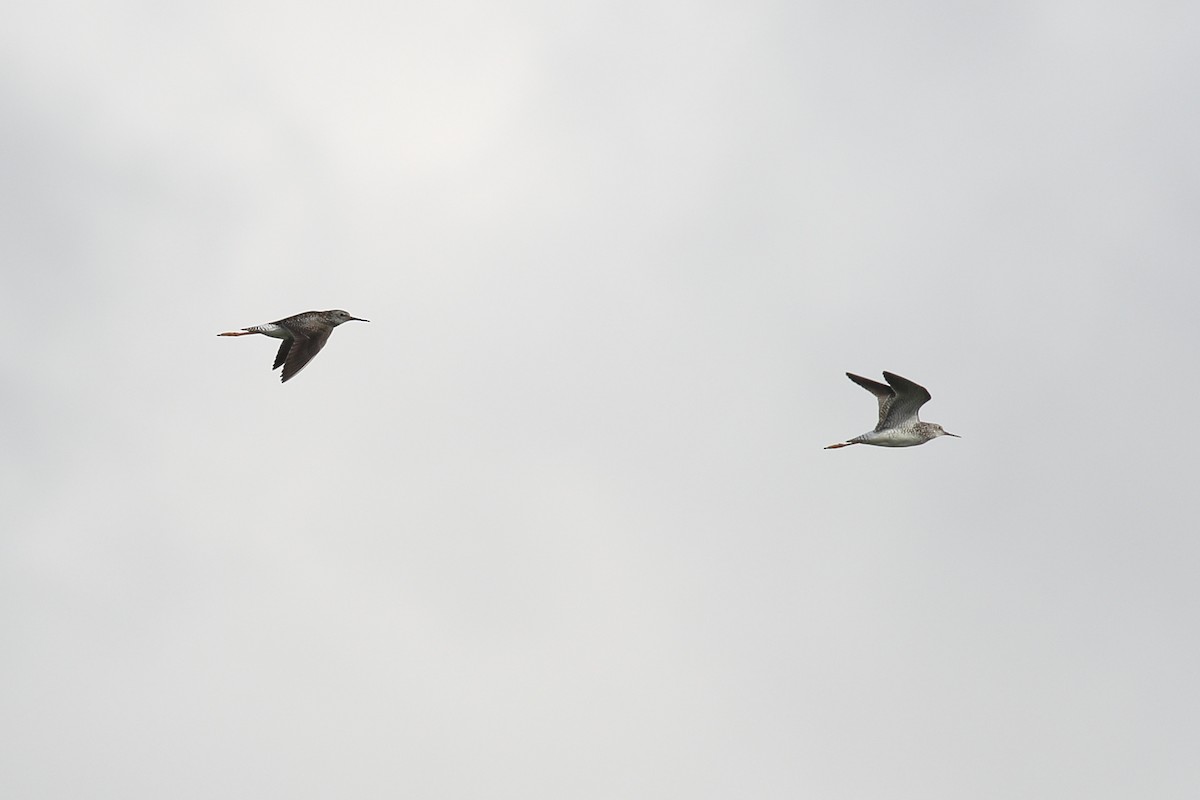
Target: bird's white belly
[(272, 330), (894, 437)]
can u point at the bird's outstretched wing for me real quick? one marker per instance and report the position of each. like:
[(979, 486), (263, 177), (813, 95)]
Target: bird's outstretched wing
[(902, 411), (883, 393), (281, 356), (301, 351)]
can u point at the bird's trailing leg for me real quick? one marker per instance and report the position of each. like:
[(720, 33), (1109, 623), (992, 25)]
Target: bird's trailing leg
[(841, 444), (236, 333)]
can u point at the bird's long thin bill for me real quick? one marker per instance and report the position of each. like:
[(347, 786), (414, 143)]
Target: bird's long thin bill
[(955, 435), (360, 319)]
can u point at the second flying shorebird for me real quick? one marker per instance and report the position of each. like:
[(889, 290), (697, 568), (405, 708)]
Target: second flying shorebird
[(898, 425), (303, 337)]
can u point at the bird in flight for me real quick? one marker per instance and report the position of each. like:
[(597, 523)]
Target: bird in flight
[(303, 337), (899, 402)]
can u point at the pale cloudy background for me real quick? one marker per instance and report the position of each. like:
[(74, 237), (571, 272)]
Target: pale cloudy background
[(557, 523)]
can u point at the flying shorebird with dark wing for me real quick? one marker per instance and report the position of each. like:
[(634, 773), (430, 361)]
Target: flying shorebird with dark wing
[(303, 337), (898, 425)]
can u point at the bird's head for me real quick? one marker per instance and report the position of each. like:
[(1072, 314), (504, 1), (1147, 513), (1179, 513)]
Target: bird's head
[(938, 430), (340, 316)]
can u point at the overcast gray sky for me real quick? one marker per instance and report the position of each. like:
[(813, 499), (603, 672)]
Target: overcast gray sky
[(558, 523)]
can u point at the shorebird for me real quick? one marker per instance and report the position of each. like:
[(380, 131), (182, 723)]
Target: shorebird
[(898, 406), (303, 337)]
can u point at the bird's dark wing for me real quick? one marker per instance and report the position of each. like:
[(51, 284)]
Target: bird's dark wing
[(283, 352), (303, 349), (883, 393), (909, 398)]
